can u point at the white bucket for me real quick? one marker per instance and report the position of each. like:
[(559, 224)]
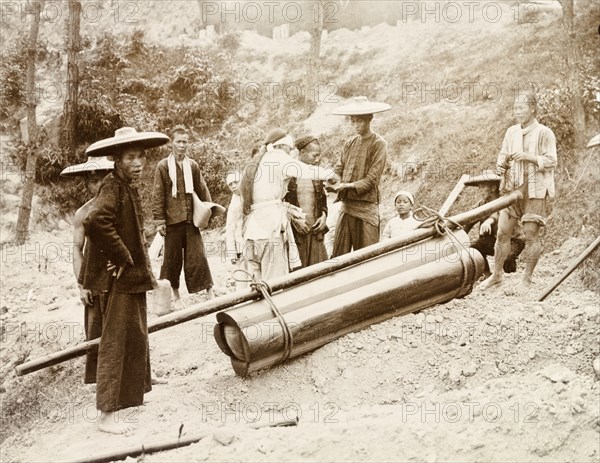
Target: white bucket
[(161, 298)]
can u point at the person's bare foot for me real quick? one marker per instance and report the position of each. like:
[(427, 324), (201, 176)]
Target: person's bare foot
[(493, 280), (520, 290), (154, 381), (109, 422), (596, 366), (210, 293), (176, 295)]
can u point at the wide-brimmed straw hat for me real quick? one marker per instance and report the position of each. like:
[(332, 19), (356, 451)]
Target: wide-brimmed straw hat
[(127, 136), (361, 106), (487, 176), (203, 211), (93, 164), (594, 141)]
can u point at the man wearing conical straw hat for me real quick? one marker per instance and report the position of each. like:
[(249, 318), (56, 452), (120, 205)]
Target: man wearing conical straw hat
[(93, 171), (114, 227), (360, 168)]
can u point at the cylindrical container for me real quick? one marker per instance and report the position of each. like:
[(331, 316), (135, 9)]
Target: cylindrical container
[(161, 299), (368, 293)]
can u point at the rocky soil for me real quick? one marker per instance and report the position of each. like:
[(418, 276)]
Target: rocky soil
[(485, 378)]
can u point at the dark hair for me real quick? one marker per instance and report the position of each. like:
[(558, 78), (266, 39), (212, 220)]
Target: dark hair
[(118, 150), (182, 129), (367, 117), (529, 97), (274, 135), (304, 141)]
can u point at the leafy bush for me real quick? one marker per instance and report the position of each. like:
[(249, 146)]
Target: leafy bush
[(358, 84), (555, 111), (137, 44), (13, 66), (97, 118), (199, 93), (229, 42), (109, 57)]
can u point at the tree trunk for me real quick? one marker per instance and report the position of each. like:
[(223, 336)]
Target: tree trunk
[(34, 8), (68, 122), (311, 95), (573, 57)]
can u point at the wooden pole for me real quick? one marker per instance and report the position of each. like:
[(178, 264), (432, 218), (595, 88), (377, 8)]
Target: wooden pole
[(454, 194), (301, 276), (147, 449), (584, 255)]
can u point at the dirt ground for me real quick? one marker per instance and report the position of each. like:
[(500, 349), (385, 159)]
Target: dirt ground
[(485, 378)]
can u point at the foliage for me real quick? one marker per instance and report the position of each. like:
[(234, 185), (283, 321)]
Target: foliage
[(358, 84), (13, 65), (555, 111), (109, 56), (215, 165), (199, 93), (230, 42), (97, 117), (137, 44)]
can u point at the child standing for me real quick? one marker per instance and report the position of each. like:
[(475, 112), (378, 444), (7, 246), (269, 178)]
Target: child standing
[(233, 227), (404, 222)]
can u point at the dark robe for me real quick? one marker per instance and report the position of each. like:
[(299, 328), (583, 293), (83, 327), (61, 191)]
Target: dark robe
[(114, 228), (311, 247)]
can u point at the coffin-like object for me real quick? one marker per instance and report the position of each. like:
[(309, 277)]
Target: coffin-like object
[(318, 311)]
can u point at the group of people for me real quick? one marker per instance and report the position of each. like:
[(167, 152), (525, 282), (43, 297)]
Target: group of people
[(278, 220)]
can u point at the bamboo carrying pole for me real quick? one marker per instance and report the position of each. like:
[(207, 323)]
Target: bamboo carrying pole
[(148, 449), (262, 344), (325, 268), (454, 194), (583, 256)]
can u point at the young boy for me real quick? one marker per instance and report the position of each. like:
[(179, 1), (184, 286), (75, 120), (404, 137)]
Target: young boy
[(489, 186), (404, 222), (93, 171), (234, 237)]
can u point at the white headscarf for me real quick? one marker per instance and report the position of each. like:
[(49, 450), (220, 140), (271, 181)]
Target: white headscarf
[(409, 195)]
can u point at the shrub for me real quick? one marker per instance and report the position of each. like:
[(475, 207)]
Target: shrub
[(96, 118), (555, 111), (13, 66), (229, 42)]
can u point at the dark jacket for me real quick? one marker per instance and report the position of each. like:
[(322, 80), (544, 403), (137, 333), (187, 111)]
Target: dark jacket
[(362, 163), (167, 209), (320, 197), (114, 229)]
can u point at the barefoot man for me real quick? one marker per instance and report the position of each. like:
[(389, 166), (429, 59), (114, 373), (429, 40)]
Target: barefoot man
[(176, 178), (114, 227), (93, 171), (526, 163)]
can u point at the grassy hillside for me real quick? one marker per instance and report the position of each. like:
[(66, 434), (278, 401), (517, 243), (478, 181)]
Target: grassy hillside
[(451, 87)]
